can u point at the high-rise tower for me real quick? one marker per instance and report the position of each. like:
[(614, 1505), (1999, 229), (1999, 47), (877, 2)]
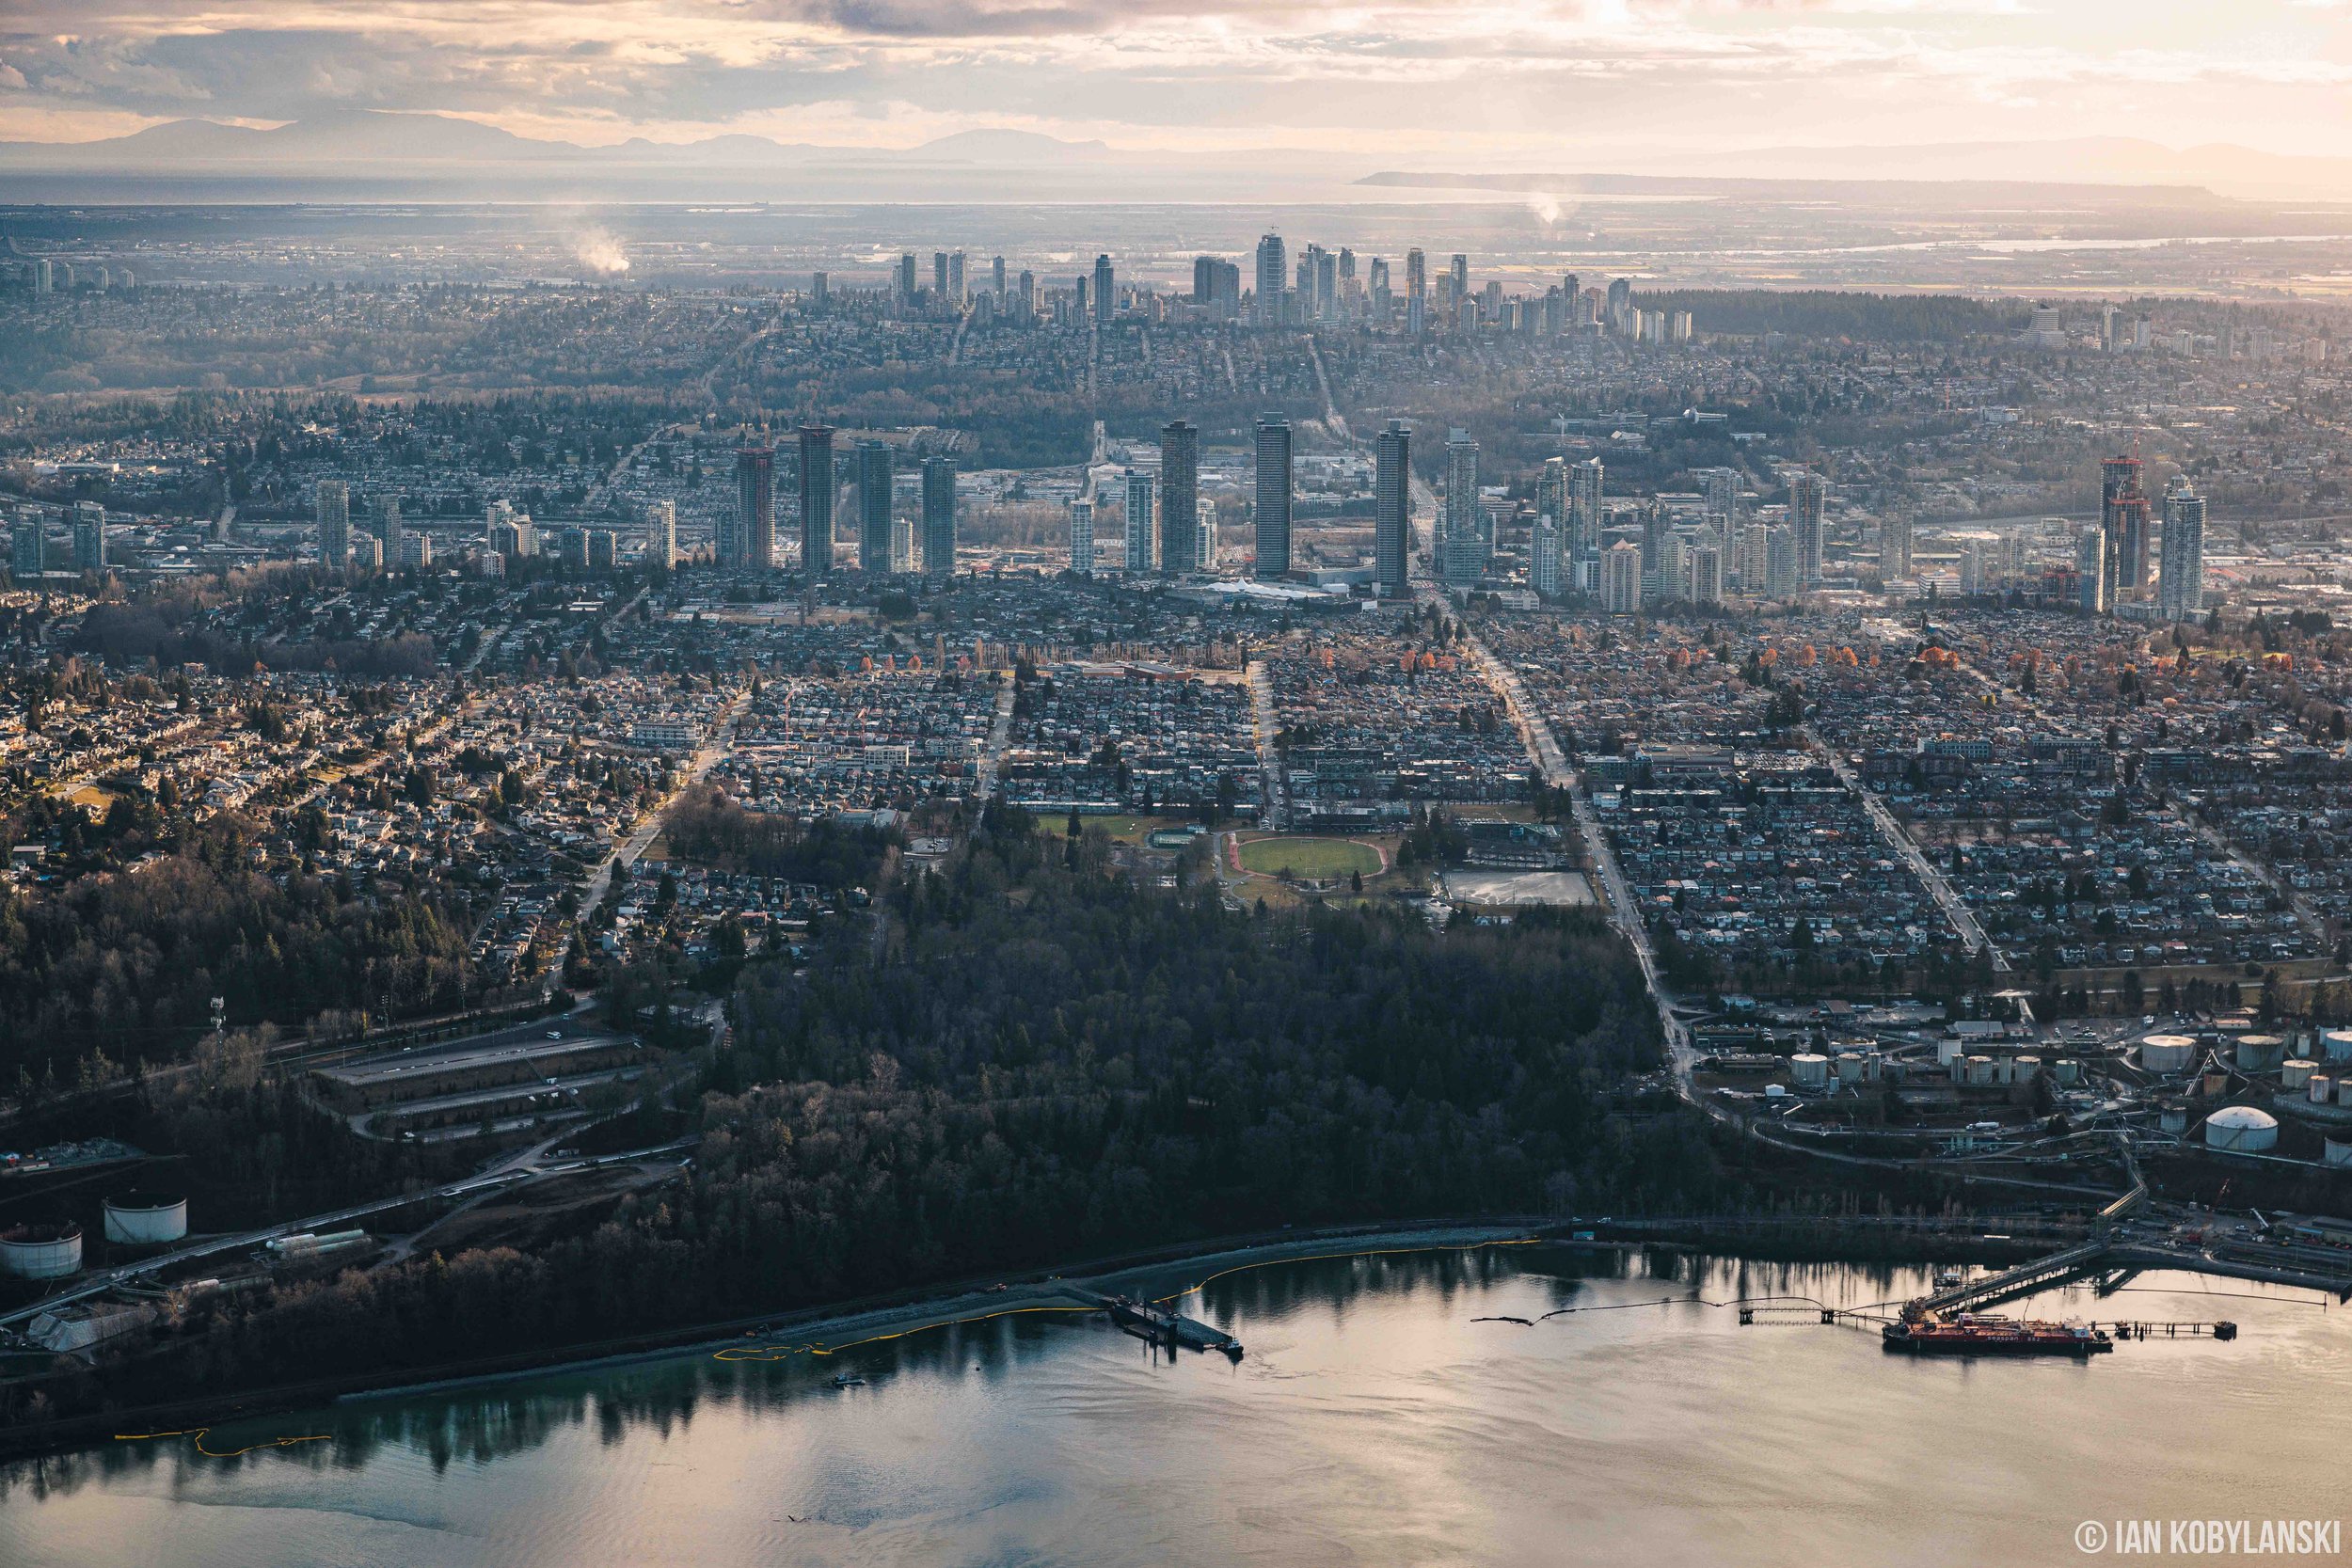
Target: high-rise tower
[(1392, 508), (1180, 496), (817, 492), (873, 507), (1274, 496), (756, 506), (939, 516)]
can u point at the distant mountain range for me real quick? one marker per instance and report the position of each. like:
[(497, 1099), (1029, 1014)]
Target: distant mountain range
[(2221, 169), (371, 137), (368, 152)]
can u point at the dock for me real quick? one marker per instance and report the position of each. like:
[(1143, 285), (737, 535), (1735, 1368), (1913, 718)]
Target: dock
[(1157, 1325)]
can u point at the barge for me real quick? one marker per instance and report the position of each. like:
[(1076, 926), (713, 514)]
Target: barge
[(1919, 1332)]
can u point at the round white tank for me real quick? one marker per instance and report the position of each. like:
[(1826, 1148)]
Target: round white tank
[(1808, 1071), (2337, 1151), (2321, 1088), (2172, 1118), (41, 1251), (2241, 1128), (2343, 1088), (146, 1219), (2026, 1070), (1980, 1070), (1850, 1067), (2295, 1073), (2260, 1052), (2067, 1070), (2336, 1044), (2167, 1053), (1946, 1052)]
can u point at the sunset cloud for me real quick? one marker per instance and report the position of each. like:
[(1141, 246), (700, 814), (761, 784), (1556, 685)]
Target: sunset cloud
[(1379, 74)]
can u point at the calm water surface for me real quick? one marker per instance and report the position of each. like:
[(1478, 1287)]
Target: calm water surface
[(1373, 1421)]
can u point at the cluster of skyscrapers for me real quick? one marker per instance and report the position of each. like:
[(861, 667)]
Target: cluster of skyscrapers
[(886, 543), (29, 546), (2112, 561)]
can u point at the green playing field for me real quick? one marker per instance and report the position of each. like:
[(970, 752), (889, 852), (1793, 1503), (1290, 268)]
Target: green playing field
[(1317, 858)]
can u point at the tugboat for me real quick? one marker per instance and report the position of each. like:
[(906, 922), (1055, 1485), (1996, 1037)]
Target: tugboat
[(848, 1380), (1920, 1332), (1947, 1278)]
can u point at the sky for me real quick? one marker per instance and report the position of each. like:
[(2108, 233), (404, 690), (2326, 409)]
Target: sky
[(1401, 83)]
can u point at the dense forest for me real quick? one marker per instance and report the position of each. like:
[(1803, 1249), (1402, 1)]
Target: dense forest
[(1039, 1060), (130, 961)]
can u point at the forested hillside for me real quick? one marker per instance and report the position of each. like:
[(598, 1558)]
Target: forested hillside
[(1039, 1060)]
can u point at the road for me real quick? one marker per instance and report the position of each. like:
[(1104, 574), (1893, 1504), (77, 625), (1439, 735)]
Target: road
[(721, 742), (1322, 384), (999, 736), (1262, 729), (518, 1168), (1543, 750), (1891, 832)]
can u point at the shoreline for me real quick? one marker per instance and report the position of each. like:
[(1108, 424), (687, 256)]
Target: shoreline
[(823, 1334), (1169, 1268), (1164, 1274)]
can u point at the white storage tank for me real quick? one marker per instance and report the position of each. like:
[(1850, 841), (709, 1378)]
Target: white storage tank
[(2260, 1052), (1850, 1067), (2067, 1070), (45, 1249), (2167, 1053), (146, 1219), (2338, 1151), (2320, 1089), (2172, 1117), (1980, 1070), (2335, 1045), (1808, 1071), (2241, 1128), (1947, 1051), (2026, 1070), (2295, 1073)]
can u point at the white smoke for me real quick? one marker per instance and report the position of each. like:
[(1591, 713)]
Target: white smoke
[(1546, 207), (600, 252)]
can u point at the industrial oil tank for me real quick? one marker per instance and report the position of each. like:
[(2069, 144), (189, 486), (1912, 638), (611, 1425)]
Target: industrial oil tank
[(2335, 1045), (2320, 1089), (2295, 1073), (42, 1249), (2067, 1070), (2172, 1117), (1808, 1071), (1980, 1070), (2260, 1052), (146, 1219), (2241, 1128), (2338, 1151), (1850, 1067), (2167, 1054), (2026, 1070)]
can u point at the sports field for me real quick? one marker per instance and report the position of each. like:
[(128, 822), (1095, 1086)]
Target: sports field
[(1318, 859)]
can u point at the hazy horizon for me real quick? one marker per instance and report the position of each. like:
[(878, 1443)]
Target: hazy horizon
[(1628, 85)]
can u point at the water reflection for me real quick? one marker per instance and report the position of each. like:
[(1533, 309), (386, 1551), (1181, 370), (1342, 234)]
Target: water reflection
[(1390, 1409)]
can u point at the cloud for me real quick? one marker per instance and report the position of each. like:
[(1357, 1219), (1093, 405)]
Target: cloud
[(1403, 79)]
